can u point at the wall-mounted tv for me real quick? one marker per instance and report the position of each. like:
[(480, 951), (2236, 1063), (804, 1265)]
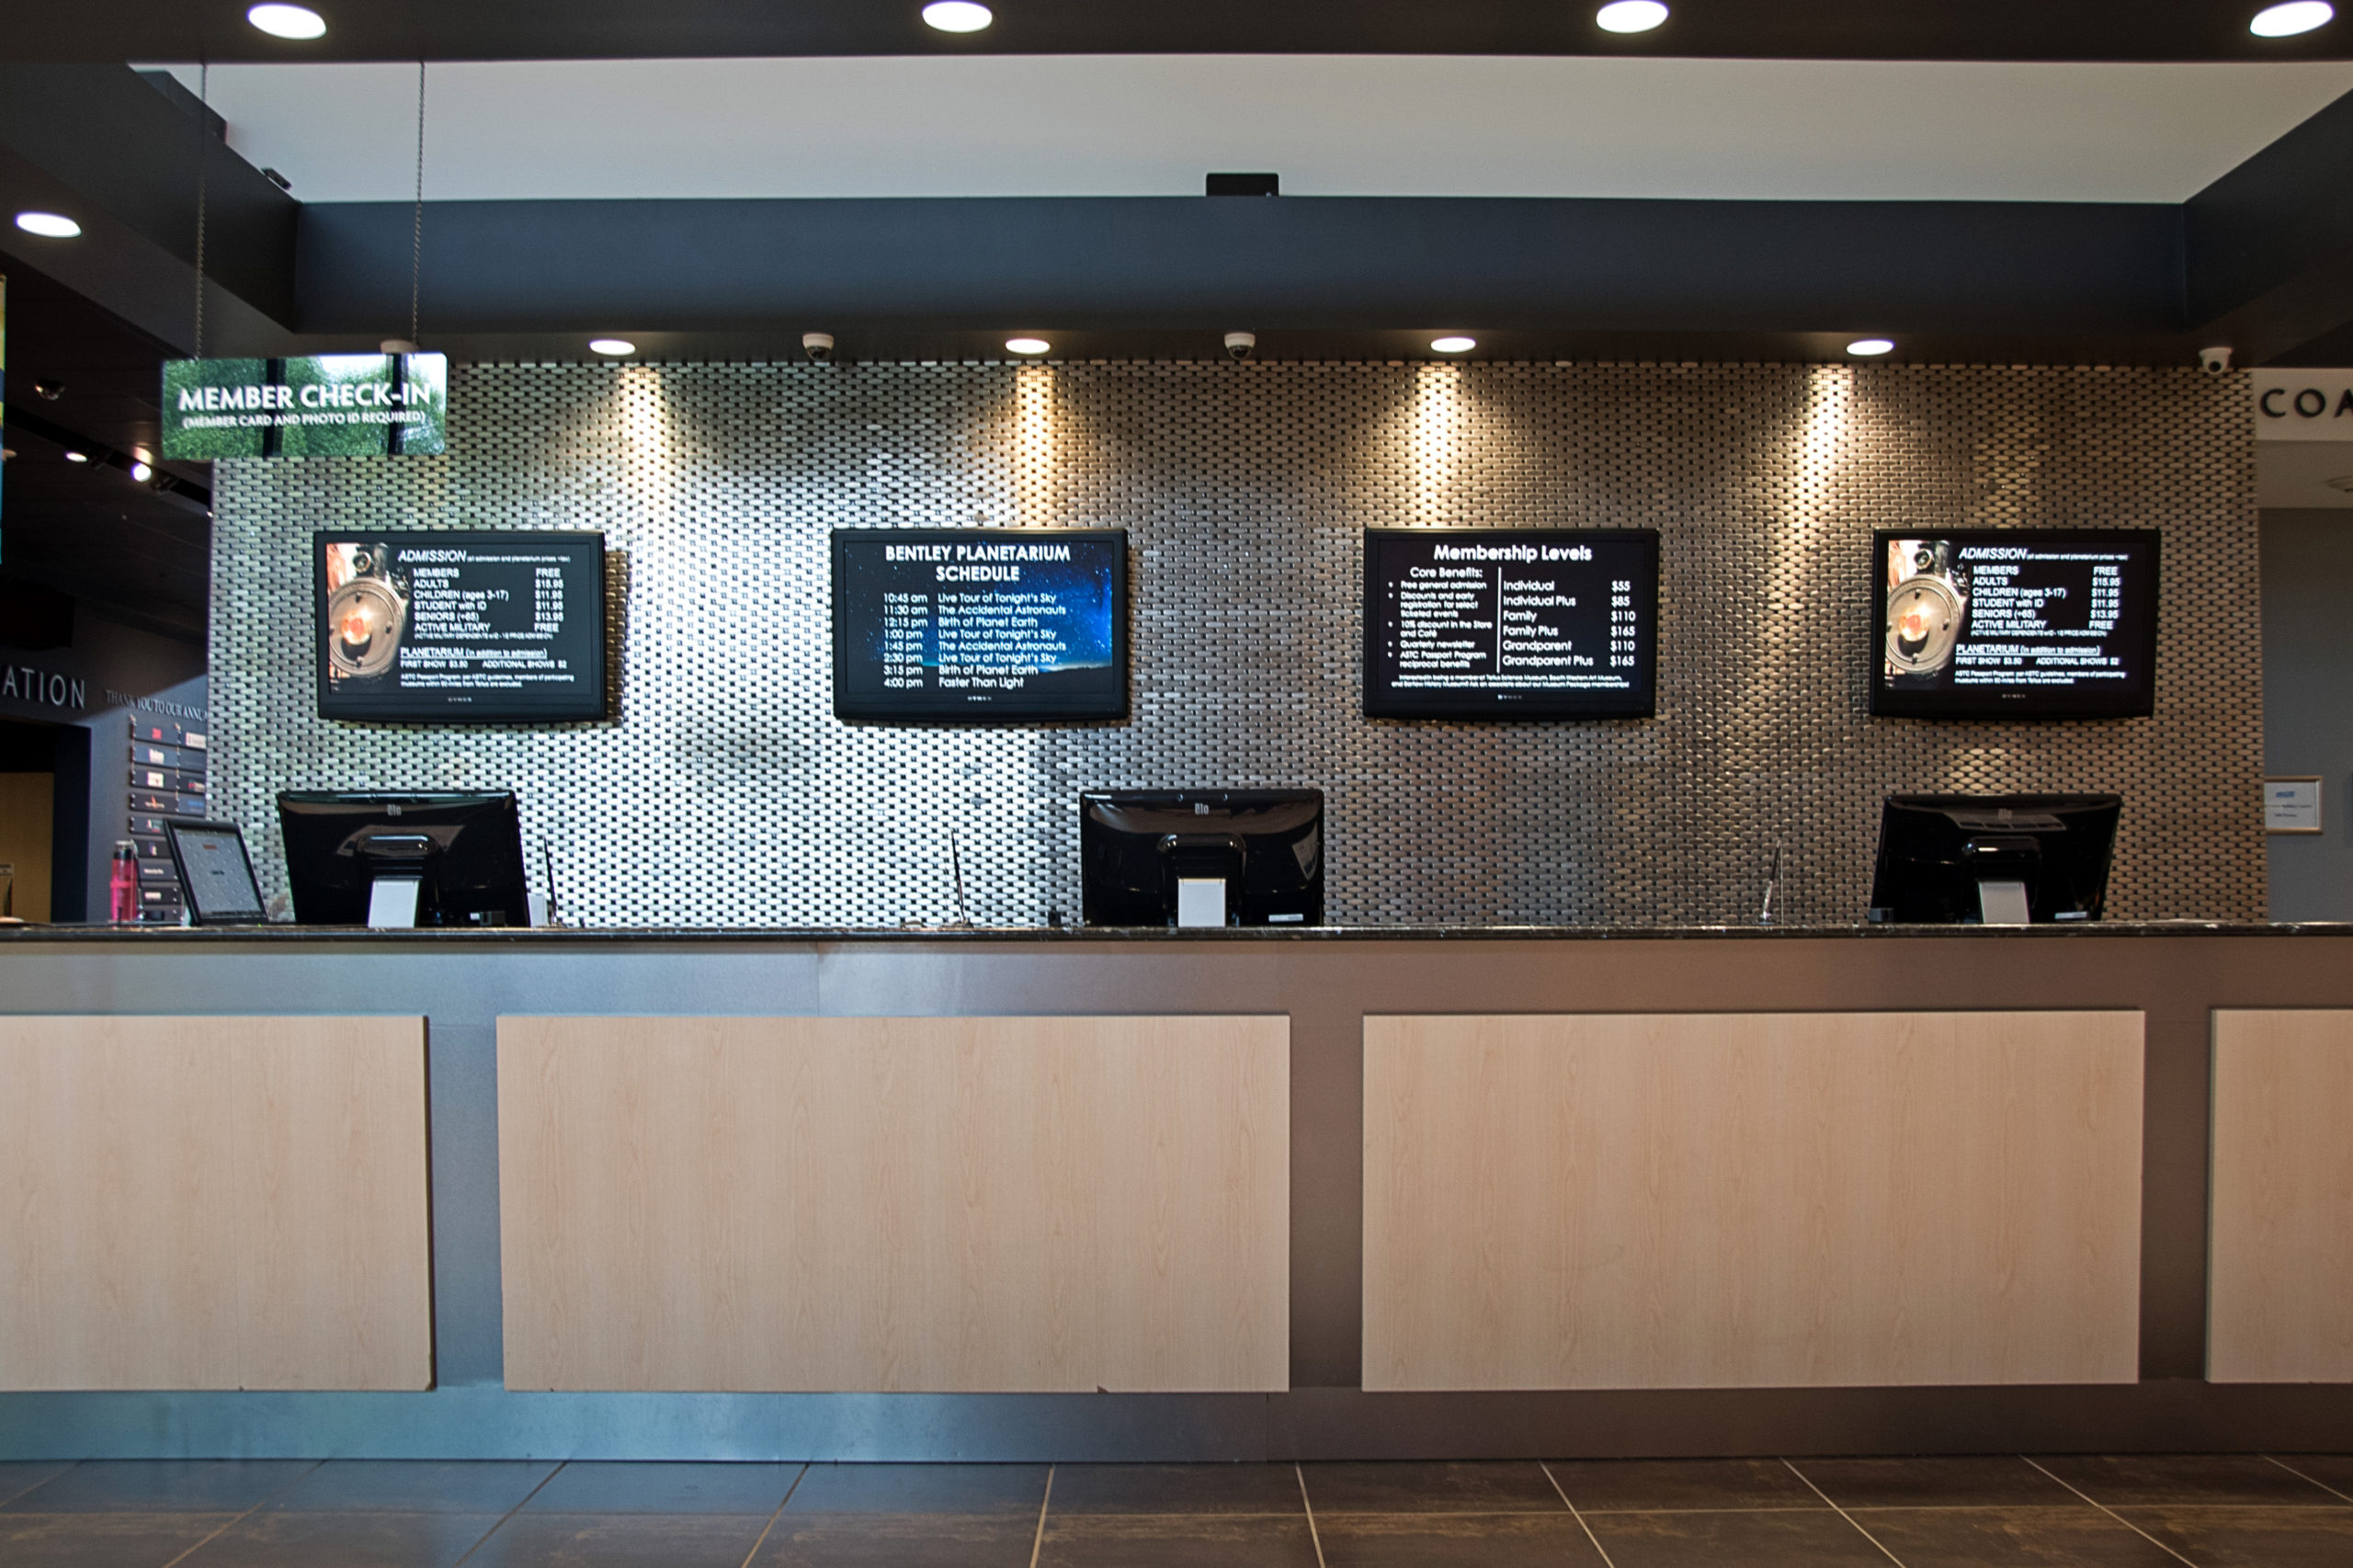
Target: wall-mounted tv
[(2014, 623), (980, 626), (1510, 623), (489, 627)]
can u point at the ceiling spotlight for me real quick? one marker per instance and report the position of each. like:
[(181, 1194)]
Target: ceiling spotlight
[(141, 472), (49, 392), (1868, 348), (49, 225), (1027, 345), (958, 16), (1630, 15), (288, 21), (1453, 345), (74, 457), (2295, 17), (614, 347)]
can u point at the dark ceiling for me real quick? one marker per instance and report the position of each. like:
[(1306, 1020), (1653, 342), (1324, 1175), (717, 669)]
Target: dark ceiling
[(138, 550), (114, 30)]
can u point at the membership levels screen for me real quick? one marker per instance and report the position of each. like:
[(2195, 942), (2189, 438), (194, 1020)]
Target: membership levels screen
[(980, 625), (1510, 623)]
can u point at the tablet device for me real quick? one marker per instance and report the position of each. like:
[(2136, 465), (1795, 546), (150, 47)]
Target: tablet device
[(216, 874)]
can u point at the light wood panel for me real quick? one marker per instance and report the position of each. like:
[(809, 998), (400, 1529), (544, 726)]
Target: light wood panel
[(214, 1203), (1734, 1201), (2279, 1281), (895, 1204)]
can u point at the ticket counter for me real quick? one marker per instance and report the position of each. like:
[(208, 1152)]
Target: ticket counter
[(1079, 1193)]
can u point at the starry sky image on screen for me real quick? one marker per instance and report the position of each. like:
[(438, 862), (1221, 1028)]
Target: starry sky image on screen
[(983, 624)]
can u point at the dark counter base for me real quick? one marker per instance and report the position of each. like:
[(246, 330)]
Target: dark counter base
[(568, 936)]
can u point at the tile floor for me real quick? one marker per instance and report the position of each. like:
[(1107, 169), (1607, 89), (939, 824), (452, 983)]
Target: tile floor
[(2231, 1511)]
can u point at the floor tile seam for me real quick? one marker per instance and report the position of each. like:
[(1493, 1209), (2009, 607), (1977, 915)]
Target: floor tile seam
[(241, 1518), (1760, 1508), (782, 1503), (1307, 1506), (1600, 1549), (1045, 1500), (1852, 1522), (2299, 1475), (11, 1500), (1173, 1514), (507, 1517), (2111, 1513)]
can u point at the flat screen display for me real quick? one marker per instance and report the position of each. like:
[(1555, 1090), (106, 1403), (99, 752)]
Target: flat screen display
[(2015, 623), (464, 628), (1510, 623), (980, 625)]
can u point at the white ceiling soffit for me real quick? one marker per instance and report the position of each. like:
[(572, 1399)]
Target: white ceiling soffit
[(1331, 125)]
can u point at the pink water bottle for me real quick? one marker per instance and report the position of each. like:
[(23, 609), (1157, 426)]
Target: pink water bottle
[(122, 881)]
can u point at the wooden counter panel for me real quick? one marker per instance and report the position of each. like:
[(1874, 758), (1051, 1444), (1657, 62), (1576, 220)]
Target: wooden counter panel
[(214, 1203), (2279, 1281), (895, 1204), (1767, 1201)]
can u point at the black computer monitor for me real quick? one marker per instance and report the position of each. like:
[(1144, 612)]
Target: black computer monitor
[(461, 851), (2003, 859), (1261, 849)]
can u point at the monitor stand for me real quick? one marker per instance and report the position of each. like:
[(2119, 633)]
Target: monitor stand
[(1200, 901), (391, 903), (2001, 903)]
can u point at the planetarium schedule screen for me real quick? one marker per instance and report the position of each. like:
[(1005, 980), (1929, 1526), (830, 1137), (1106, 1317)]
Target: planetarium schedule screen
[(980, 625), (1510, 623), (484, 627), (2015, 623)]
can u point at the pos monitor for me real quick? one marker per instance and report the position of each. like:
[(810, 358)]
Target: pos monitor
[(1993, 859), (445, 858), (1201, 856)]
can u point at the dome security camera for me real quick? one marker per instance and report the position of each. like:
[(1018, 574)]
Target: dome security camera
[(2215, 360), (1239, 344), (818, 346)]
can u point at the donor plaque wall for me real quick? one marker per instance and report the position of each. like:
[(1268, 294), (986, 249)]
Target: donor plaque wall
[(735, 777)]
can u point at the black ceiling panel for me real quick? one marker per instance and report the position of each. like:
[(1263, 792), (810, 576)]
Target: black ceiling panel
[(95, 30)]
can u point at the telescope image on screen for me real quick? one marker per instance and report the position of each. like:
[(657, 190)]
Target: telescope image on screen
[(2015, 623), (466, 628)]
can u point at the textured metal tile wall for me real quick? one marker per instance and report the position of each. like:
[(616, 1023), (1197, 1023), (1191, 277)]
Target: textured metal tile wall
[(725, 793)]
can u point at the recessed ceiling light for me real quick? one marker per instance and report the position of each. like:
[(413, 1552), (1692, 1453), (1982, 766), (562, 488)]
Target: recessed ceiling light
[(74, 457), (288, 21), (141, 472), (1027, 345), (49, 225), (1630, 15), (1866, 347), (616, 347), (1453, 345), (2295, 17), (958, 16)]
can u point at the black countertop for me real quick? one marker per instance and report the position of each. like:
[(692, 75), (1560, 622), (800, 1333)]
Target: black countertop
[(566, 935)]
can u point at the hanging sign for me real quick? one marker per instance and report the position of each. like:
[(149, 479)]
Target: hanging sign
[(321, 405)]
